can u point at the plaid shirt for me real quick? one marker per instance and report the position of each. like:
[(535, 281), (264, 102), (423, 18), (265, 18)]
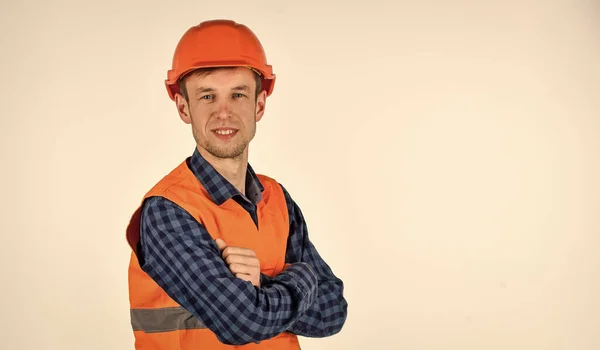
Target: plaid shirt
[(181, 256)]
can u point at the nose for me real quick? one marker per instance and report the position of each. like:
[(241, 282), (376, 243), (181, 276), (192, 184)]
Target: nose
[(223, 109)]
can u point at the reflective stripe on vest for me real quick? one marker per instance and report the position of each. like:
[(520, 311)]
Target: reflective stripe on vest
[(164, 320)]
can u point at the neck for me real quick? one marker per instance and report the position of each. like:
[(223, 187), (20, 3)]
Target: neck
[(232, 169)]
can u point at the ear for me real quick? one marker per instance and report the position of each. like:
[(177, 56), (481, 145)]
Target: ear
[(260, 105), (183, 109)]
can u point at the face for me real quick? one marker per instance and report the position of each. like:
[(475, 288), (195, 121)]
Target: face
[(222, 110)]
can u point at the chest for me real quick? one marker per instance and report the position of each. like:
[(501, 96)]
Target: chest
[(267, 237)]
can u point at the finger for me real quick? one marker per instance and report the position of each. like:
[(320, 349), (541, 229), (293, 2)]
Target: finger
[(221, 244), (238, 251), (241, 268), (244, 276), (242, 259)]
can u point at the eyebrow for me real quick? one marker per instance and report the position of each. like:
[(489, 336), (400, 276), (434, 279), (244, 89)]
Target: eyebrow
[(201, 89), (241, 88)]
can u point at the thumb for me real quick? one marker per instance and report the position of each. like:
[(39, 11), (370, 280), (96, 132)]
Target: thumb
[(221, 244)]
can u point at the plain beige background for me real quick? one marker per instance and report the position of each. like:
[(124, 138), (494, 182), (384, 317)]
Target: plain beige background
[(445, 155)]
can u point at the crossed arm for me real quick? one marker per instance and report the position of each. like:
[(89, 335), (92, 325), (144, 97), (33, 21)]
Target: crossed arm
[(181, 256)]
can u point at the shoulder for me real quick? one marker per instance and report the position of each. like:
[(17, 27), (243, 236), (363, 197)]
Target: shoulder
[(157, 208), (178, 178), (266, 180), (272, 184)]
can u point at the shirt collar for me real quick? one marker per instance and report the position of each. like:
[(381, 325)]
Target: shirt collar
[(218, 187)]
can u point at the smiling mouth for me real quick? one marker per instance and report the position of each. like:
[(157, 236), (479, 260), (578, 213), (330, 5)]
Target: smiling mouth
[(225, 133)]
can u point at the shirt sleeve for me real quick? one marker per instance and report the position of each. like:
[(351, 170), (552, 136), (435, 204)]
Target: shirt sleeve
[(327, 314), (180, 255)]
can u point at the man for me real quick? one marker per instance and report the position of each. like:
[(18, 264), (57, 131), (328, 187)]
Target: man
[(221, 256)]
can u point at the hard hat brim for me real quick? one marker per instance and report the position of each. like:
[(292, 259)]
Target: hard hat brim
[(268, 78)]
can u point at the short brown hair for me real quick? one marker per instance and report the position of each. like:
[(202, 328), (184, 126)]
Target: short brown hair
[(183, 88)]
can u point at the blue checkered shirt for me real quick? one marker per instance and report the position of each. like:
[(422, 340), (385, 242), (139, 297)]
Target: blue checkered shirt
[(180, 255)]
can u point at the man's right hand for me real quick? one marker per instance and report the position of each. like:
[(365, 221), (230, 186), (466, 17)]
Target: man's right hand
[(242, 262)]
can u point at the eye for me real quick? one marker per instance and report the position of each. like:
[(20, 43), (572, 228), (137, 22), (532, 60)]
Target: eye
[(206, 97), (238, 95)]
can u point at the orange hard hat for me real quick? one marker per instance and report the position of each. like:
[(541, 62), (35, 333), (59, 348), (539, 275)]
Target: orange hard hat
[(218, 43)]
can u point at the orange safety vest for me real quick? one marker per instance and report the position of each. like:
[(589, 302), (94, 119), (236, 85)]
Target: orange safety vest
[(161, 323)]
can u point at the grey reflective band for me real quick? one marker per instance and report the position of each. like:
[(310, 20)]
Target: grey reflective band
[(164, 320)]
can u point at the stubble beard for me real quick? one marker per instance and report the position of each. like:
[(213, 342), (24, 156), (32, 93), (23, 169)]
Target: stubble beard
[(228, 152)]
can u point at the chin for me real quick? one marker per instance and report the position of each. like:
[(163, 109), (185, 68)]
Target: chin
[(226, 153)]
